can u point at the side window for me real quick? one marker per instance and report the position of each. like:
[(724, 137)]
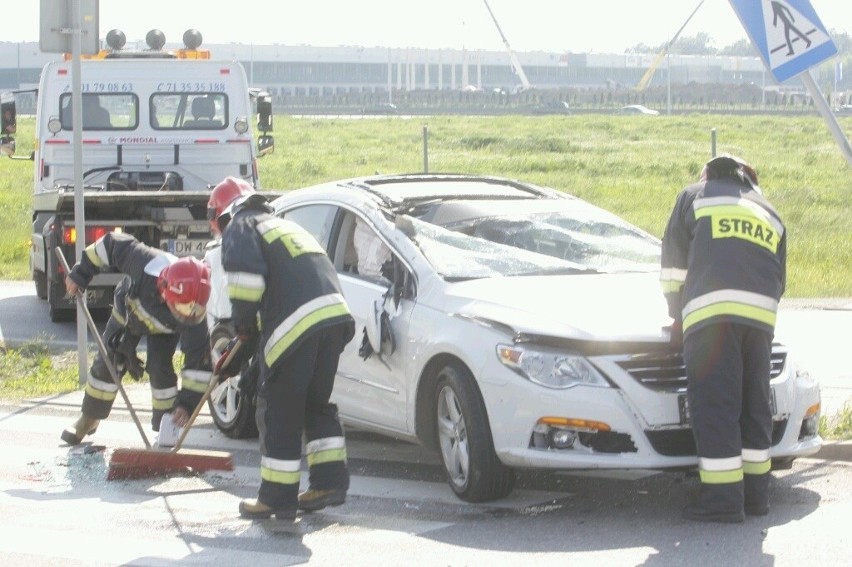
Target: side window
[(363, 252), (118, 111), (316, 219)]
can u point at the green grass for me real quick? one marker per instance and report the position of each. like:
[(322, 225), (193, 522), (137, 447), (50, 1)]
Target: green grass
[(33, 370), (632, 165)]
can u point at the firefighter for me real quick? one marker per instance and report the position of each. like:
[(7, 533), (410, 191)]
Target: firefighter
[(723, 274), (278, 273), (162, 298)]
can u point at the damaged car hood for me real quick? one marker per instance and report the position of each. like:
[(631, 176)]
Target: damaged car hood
[(593, 307)]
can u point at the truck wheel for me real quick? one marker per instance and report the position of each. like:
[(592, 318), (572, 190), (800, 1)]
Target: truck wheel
[(40, 279), (57, 313), (232, 413), (474, 472)]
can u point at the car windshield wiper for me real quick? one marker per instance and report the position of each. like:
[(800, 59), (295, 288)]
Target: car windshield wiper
[(561, 270)]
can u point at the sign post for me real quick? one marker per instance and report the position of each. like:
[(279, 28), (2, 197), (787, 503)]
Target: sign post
[(791, 39), (72, 26)]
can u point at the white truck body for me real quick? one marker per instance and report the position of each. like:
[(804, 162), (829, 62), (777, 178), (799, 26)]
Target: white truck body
[(158, 133)]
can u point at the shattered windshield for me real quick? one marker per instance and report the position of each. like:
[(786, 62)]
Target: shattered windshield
[(573, 237)]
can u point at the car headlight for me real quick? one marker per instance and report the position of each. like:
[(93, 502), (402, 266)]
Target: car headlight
[(552, 370)]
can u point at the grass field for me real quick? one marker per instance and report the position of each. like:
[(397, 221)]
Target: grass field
[(633, 165)]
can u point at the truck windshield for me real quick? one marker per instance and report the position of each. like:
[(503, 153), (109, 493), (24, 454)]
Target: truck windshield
[(189, 111), (108, 111)]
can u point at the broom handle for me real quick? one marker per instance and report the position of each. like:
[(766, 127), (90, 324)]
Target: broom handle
[(81, 301), (214, 381)]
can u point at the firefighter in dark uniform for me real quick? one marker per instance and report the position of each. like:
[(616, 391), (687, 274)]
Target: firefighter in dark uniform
[(162, 298), (723, 274), (278, 273)]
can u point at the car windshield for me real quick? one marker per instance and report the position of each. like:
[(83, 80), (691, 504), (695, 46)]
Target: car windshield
[(570, 237)]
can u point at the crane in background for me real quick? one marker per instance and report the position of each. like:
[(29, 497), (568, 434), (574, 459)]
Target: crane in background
[(649, 74), (513, 59)]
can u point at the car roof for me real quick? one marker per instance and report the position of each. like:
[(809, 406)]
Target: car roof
[(406, 190)]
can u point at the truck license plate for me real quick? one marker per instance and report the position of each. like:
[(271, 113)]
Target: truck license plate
[(184, 247)]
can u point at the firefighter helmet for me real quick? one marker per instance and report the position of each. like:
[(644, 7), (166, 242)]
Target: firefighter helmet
[(185, 287), (727, 165), (223, 196)]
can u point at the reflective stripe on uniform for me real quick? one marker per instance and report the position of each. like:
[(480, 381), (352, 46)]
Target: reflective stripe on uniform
[(100, 390), (151, 323), (327, 450), (280, 471), (730, 302), (97, 253), (246, 286), (163, 398), (709, 203), (731, 217), (720, 471), (756, 461), (672, 279), (195, 380), (295, 239), (319, 309)]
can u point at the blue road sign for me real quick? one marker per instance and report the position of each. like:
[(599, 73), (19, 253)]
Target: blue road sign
[(788, 33)]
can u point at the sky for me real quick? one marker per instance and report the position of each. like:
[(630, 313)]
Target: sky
[(579, 26)]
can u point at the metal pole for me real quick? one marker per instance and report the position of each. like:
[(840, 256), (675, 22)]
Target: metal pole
[(712, 142), (668, 85), (79, 214), (425, 149), (828, 115)]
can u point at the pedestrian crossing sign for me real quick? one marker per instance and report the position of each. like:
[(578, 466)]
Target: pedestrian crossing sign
[(788, 33)]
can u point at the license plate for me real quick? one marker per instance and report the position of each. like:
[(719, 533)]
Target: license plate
[(184, 246), (683, 406), (94, 295)]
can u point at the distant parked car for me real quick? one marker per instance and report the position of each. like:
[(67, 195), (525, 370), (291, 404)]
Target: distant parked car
[(637, 109), (554, 107), (382, 108), (845, 109), (510, 327)]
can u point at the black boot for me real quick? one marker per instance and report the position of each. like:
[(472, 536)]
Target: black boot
[(699, 513)]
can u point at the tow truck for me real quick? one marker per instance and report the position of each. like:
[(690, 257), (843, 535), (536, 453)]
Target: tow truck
[(160, 128)]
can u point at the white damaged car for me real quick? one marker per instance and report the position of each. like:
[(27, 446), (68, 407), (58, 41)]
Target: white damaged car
[(508, 326)]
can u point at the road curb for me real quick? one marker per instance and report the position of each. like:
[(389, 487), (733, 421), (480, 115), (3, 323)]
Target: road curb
[(835, 451)]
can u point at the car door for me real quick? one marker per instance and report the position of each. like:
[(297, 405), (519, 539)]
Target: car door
[(372, 385)]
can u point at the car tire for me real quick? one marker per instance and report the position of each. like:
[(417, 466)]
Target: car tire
[(232, 413), (474, 472)]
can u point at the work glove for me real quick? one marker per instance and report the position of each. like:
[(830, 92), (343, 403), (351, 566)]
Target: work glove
[(238, 355), (123, 345)]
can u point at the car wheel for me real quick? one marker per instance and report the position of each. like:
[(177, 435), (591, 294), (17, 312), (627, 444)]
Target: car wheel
[(232, 413), (474, 472)]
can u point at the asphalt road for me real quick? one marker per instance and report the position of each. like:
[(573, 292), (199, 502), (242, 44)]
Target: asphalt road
[(59, 509), (56, 506)]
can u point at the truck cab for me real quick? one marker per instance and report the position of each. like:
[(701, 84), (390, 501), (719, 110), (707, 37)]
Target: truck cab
[(159, 130)]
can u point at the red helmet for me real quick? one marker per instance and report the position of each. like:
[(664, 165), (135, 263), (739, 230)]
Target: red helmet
[(185, 287), (223, 195)]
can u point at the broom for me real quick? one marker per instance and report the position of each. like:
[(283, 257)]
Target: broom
[(142, 463)]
